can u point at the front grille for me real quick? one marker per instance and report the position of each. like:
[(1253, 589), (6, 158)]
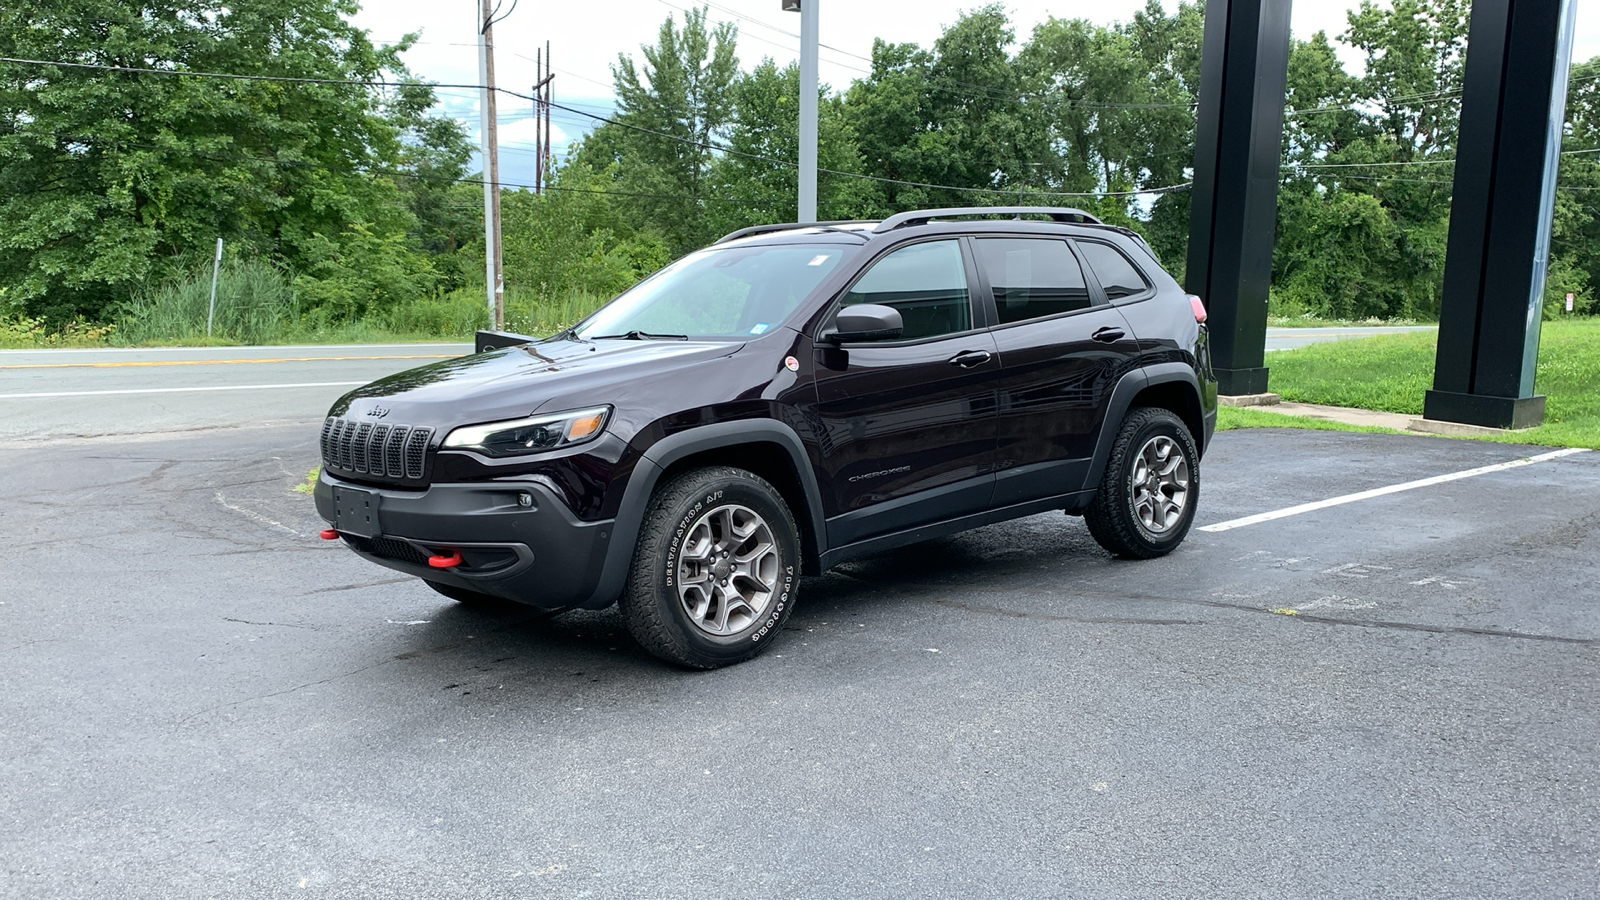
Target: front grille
[(388, 548), (382, 451)]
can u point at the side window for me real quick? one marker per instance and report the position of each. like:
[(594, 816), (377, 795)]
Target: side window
[(926, 282), (1117, 275), (1032, 278)]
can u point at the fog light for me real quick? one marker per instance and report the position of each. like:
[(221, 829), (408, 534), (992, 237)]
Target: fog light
[(525, 500)]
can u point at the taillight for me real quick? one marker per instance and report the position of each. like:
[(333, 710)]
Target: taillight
[(1198, 307)]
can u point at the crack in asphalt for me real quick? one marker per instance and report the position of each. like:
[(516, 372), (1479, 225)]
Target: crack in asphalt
[(74, 539), (1046, 617), (364, 584), (273, 624), (509, 624), (1222, 604)]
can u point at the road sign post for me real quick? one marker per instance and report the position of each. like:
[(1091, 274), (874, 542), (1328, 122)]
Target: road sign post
[(211, 308)]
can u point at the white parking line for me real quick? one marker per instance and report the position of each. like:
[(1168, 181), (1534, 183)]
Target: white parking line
[(178, 390), (1391, 489)]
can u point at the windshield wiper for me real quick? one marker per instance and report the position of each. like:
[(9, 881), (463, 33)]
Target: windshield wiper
[(641, 336), (566, 334)]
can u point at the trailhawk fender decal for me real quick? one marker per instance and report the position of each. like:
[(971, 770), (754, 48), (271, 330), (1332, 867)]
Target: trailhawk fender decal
[(668, 450)]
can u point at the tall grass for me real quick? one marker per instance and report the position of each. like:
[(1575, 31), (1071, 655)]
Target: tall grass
[(255, 303), (461, 312)]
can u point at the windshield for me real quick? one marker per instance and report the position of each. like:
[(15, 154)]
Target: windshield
[(717, 292)]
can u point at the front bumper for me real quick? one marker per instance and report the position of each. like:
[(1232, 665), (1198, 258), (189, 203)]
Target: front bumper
[(540, 554)]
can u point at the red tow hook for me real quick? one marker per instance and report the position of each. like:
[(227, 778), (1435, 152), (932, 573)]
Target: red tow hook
[(445, 562), (328, 534)]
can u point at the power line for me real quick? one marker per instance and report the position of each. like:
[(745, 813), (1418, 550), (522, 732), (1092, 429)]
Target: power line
[(878, 178), (706, 145), (359, 170)]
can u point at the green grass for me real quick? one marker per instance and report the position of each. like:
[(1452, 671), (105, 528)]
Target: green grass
[(1391, 372)]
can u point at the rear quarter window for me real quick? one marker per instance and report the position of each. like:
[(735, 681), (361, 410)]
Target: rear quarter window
[(1117, 274)]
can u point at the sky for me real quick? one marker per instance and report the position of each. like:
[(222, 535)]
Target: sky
[(586, 37)]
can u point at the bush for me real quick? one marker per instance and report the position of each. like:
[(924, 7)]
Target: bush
[(25, 332), (363, 273)]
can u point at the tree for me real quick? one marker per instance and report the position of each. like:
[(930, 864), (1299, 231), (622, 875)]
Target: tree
[(957, 115), (575, 237), (750, 184), (108, 178), (671, 114)]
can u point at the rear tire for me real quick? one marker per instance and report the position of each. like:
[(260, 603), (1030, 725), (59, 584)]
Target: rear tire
[(1146, 500), (715, 571)]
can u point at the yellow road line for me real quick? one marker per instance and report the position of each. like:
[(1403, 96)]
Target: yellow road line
[(214, 362)]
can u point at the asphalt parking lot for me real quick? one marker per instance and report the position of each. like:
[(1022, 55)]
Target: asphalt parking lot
[(1388, 697)]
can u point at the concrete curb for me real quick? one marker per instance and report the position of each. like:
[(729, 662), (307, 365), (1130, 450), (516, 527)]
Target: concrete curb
[(1402, 422)]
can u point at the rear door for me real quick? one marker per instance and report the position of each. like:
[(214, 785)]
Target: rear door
[(907, 427), (1062, 349)]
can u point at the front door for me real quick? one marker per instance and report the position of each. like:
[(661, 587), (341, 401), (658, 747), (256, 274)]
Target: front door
[(907, 427)]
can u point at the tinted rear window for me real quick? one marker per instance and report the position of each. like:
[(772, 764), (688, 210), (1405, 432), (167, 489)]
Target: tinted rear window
[(1032, 277), (1117, 275)]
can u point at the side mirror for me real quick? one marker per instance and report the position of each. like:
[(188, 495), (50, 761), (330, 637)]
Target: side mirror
[(865, 322)]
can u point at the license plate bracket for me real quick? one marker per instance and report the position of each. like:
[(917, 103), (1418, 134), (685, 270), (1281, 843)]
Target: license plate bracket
[(356, 512)]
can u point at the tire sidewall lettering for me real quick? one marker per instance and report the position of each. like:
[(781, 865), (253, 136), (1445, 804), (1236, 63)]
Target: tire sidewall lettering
[(776, 613)]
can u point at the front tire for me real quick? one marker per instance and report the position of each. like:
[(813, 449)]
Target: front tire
[(1146, 500), (715, 571)]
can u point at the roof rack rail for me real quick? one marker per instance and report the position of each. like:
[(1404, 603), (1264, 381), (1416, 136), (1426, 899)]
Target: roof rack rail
[(923, 216), (789, 226)]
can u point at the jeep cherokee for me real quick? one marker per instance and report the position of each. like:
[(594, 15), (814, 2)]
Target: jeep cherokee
[(788, 399)]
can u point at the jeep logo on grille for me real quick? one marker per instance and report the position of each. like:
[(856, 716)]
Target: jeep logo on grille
[(377, 412)]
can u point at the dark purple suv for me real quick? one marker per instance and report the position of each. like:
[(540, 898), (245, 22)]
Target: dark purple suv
[(790, 398)]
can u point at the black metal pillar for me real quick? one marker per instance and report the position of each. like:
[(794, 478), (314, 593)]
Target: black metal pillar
[(1512, 109), (1238, 144)]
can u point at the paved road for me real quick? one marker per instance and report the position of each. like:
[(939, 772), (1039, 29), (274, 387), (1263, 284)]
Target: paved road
[(59, 393), (1390, 697), (66, 393), (1289, 338)]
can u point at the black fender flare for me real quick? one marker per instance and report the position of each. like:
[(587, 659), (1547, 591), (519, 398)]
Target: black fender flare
[(662, 454), (1122, 396)]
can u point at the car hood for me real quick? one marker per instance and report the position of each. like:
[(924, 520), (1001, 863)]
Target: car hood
[(516, 381)]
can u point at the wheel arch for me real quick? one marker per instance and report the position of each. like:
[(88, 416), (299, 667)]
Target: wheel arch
[(1171, 386), (764, 447)]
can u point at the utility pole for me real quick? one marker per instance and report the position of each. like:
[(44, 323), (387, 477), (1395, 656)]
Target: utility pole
[(494, 276), (538, 122), (549, 95), (543, 93), (808, 105)]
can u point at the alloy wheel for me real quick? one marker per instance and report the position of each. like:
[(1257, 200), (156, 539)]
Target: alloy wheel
[(1160, 484), (728, 566)]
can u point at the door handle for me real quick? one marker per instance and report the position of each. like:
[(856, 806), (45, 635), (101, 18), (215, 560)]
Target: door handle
[(970, 359), (1109, 335)]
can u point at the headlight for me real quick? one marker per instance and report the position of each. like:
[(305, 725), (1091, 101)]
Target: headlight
[(536, 434)]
